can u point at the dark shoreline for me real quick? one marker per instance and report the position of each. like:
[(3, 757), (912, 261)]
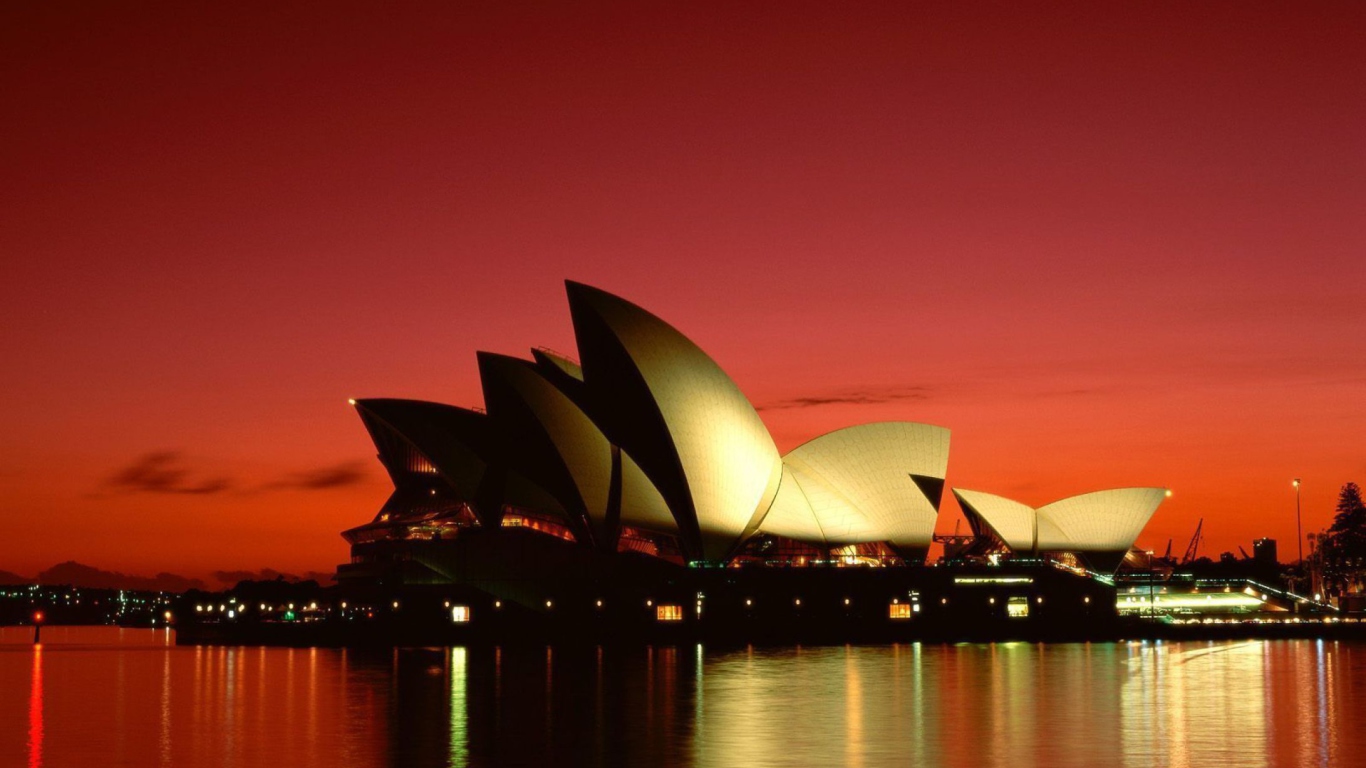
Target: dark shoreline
[(340, 635)]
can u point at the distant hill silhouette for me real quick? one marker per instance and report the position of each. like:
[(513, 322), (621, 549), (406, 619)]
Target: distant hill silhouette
[(230, 578), (90, 577), (80, 575)]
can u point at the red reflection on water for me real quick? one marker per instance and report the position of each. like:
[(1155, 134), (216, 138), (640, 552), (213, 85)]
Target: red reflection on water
[(104, 696), (35, 711)]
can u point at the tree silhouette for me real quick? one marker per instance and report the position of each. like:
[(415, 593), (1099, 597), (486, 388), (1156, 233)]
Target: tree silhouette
[(1343, 547)]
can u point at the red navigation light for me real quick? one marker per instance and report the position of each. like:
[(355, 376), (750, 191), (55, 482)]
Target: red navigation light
[(37, 617)]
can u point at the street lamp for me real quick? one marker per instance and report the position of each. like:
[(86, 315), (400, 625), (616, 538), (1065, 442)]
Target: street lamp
[(1299, 533)]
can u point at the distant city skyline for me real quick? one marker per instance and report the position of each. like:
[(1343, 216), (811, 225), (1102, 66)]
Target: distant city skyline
[(1106, 246)]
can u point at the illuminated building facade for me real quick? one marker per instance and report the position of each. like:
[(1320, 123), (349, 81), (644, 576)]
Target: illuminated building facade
[(647, 446), (610, 473)]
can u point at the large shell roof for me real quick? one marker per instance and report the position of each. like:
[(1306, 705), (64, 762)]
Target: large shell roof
[(858, 484), (682, 419)]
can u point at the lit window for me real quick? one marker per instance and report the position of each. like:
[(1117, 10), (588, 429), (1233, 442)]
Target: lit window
[(460, 613), (899, 611), (669, 613), (1017, 607)]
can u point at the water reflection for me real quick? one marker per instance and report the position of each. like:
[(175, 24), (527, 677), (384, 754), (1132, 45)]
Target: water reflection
[(120, 697), (35, 711)]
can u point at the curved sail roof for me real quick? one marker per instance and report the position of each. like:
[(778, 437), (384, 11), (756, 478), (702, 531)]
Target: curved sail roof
[(684, 421), (641, 505), (555, 361), (454, 442), (1102, 521), (791, 515), (1105, 520), (556, 443), (866, 483), (1012, 522), (463, 448)]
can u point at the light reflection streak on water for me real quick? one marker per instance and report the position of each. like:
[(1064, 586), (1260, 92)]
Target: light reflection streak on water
[(599, 718), (1195, 705), (918, 687), (549, 692), (165, 735), (1321, 666), (699, 692), (232, 721), (459, 717), (853, 711), (312, 705), (35, 710)]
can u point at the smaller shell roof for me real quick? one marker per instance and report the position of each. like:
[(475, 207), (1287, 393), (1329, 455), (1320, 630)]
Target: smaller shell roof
[(455, 441), (1101, 521)]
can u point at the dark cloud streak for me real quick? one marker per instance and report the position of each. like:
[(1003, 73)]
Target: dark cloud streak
[(341, 475), (871, 397), (167, 472), (163, 472)]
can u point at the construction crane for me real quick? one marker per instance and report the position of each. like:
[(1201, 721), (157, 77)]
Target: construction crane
[(1194, 547), (1168, 555), (1246, 556)]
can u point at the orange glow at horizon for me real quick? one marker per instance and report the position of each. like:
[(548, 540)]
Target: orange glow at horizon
[(1105, 246)]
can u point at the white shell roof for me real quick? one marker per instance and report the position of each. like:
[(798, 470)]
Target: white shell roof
[(580, 443), (1105, 520), (641, 504), (560, 361), (1010, 520), (856, 483), (791, 514), (729, 461), (1092, 522)]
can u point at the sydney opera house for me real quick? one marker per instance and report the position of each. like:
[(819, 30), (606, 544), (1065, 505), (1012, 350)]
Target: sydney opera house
[(641, 474)]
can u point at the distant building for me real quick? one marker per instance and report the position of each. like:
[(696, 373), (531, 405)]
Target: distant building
[(1264, 552)]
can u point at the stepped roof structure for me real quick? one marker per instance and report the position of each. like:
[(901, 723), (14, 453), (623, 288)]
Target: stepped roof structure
[(645, 444)]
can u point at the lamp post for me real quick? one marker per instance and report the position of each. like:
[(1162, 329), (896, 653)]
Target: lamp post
[(1299, 533)]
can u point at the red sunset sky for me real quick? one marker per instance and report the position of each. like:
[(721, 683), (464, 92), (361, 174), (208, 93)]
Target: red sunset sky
[(1107, 244)]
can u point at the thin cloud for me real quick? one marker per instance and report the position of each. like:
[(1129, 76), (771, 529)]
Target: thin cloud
[(341, 475), (164, 472), (868, 397)]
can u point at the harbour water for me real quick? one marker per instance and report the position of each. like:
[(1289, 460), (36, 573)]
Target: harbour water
[(107, 696)]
